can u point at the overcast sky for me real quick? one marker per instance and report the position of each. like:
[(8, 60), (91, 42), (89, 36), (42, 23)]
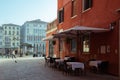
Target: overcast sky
[(19, 11)]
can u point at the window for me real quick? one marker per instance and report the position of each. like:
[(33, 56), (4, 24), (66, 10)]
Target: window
[(5, 27), (17, 28), (9, 32), (18, 38), (27, 25), (86, 43), (13, 32), (17, 44), (5, 32), (27, 30), (35, 25), (73, 45), (17, 32), (61, 15), (27, 38), (13, 44), (87, 4), (74, 8), (0, 43)]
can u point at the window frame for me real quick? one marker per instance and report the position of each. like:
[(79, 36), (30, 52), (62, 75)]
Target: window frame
[(61, 15), (73, 45), (73, 8), (84, 44), (86, 5)]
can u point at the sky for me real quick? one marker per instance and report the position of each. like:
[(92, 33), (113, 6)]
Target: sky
[(20, 11)]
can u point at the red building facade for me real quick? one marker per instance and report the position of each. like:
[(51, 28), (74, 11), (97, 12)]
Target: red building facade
[(89, 29), (51, 48), (96, 14)]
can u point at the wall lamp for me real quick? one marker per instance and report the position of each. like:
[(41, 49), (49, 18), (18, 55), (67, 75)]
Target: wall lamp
[(112, 25), (118, 10)]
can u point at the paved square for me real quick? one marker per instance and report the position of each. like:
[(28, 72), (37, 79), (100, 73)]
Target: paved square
[(34, 69)]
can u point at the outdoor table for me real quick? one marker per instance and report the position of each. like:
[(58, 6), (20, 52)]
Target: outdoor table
[(75, 65), (66, 58), (95, 63), (48, 59), (59, 60)]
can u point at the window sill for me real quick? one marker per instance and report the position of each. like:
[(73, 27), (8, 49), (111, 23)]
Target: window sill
[(73, 16), (60, 23), (83, 11)]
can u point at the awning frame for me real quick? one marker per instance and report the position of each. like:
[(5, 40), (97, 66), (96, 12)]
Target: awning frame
[(48, 38), (72, 32)]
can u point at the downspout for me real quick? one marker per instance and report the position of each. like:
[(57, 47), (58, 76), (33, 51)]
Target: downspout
[(119, 48), (79, 33), (59, 45), (77, 45)]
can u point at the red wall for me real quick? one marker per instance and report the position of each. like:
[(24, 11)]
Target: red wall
[(102, 13)]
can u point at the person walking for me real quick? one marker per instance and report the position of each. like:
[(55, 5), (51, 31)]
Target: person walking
[(13, 55)]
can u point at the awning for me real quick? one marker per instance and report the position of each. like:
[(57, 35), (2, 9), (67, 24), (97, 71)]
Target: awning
[(47, 38), (80, 30)]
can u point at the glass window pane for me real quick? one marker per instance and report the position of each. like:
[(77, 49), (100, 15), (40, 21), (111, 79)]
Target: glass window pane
[(73, 45), (86, 43)]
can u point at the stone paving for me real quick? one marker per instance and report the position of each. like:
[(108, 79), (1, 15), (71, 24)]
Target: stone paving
[(34, 69)]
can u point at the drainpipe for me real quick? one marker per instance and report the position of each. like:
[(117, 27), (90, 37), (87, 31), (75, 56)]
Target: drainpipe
[(59, 45), (119, 48), (77, 45)]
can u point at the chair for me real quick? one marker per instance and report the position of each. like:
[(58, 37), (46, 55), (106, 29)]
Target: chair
[(65, 68), (51, 61), (103, 67), (46, 61), (72, 59), (92, 68)]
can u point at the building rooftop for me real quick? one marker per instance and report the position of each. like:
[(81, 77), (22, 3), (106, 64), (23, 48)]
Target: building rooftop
[(10, 24), (36, 21)]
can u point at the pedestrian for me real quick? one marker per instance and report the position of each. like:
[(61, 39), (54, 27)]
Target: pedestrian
[(7, 53), (13, 55)]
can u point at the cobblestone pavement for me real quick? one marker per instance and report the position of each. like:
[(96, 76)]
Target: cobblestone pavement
[(34, 69)]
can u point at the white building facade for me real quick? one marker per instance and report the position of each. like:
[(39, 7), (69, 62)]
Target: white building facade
[(11, 36), (1, 38), (1, 41), (32, 32)]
